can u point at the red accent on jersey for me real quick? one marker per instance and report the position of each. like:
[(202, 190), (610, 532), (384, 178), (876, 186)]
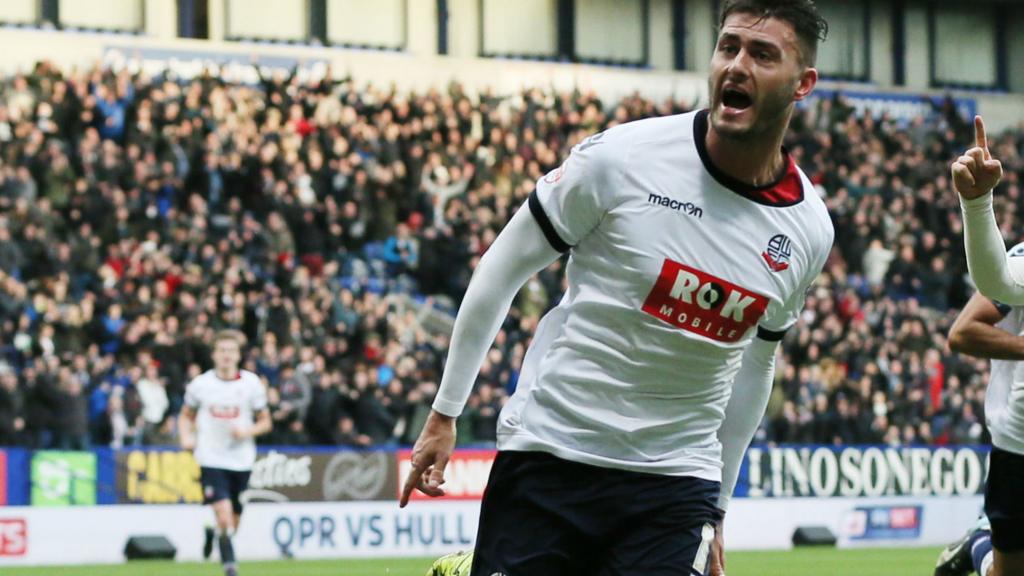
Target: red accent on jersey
[(775, 266), (787, 191), (225, 412), (703, 304)]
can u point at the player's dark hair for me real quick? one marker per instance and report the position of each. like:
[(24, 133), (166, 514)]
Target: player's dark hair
[(803, 15)]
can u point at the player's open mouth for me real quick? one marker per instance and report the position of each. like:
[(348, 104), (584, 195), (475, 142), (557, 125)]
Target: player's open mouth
[(736, 100)]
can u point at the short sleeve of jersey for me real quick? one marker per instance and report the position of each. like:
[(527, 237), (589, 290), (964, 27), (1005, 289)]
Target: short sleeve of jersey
[(192, 395), (773, 327), (258, 397), (571, 200)]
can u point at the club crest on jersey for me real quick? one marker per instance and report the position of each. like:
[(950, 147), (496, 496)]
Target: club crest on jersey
[(704, 304), (780, 248)]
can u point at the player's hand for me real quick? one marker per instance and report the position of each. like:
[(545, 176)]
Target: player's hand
[(976, 173), (718, 552), (188, 444), (241, 432), (430, 456)]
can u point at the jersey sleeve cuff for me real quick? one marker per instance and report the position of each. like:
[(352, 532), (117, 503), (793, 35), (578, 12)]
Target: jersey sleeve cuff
[(978, 204), (769, 335), (447, 407), (723, 504), (545, 224)]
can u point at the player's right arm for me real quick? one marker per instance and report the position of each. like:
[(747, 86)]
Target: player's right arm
[(186, 428), (975, 333), (518, 252), (187, 419), (566, 206), (975, 175)]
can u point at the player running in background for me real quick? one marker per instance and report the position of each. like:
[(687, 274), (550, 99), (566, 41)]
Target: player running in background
[(1000, 276), (692, 239), (225, 410)]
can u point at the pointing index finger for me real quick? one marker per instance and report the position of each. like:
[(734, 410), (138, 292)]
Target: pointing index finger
[(979, 136), (410, 483)]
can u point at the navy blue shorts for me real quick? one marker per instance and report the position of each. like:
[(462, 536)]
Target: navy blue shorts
[(545, 516), (1003, 503), (219, 484)]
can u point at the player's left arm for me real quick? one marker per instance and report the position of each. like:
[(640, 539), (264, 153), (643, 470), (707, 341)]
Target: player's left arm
[(263, 423), (752, 389), (750, 393)]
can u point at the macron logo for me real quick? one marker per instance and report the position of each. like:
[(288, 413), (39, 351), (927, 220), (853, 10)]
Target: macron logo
[(688, 208)]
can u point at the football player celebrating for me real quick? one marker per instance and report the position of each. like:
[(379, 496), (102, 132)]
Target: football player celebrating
[(692, 240), (225, 410), (999, 276)]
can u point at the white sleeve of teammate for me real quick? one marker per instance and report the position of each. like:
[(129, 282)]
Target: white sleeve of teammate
[(520, 251), (750, 393), (996, 274)]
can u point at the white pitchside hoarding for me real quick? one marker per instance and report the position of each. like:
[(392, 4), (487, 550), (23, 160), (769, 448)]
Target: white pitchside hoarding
[(97, 535), (90, 534)]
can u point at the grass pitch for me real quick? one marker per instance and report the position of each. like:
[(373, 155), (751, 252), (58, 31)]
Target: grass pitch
[(803, 562)]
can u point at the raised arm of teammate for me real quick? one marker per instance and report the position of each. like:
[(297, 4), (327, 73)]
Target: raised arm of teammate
[(520, 251), (975, 174)]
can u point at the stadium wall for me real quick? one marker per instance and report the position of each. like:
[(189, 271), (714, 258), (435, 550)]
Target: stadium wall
[(329, 503), (408, 71)]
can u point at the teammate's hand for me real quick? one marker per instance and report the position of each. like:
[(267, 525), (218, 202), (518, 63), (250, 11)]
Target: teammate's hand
[(188, 444), (976, 173), (718, 552), (430, 456)]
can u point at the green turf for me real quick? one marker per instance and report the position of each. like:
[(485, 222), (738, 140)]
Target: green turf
[(812, 562)]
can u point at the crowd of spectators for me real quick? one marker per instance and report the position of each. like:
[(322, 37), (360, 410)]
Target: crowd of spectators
[(329, 221)]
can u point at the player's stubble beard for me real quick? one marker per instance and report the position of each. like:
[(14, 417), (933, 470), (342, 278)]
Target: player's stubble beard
[(771, 115)]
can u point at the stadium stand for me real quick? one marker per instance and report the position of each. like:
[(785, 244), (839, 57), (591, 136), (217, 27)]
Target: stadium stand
[(338, 224)]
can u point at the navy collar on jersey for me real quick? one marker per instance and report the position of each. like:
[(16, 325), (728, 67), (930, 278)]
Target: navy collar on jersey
[(787, 190)]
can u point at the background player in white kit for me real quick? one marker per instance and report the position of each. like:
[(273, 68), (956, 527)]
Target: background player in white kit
[(225, 410), (693, 240), (1000, 276)]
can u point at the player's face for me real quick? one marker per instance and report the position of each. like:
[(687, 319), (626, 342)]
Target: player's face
[(756, 76), (226, 356)]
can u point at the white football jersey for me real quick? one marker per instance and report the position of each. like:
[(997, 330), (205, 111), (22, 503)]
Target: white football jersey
[(1004, 398), (221, 406), (674, 268)]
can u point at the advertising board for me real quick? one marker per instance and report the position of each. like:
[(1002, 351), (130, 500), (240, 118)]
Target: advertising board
[(862, 471), (63, 478), (146, 476), (465, 476)]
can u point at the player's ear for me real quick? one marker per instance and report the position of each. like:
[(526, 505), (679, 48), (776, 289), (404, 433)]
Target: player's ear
[(808, 79)]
